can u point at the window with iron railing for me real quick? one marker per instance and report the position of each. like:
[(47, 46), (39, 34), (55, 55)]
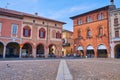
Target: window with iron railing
[(116, 23), (117, 33)]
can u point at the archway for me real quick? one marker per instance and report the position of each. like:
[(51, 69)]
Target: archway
[(40, 50), (52, 50), (90, 52), (12, 50), (1, 49), (102, 51), (27, 50), (117, 51), (80, 51)]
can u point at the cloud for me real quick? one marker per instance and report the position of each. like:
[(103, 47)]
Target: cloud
[(22, 2), (68, 11)]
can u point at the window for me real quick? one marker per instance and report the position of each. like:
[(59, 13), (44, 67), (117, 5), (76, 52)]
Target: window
[(116, 33), (100, 16), (89, 19), (58, 35), (43, 22), (53, 34), (42, 33), (33, 21), (100, 31), (116, 21), (79, 22), (89, 34), (14, 28), (55, 24), (0, 26), (26, 31), (79, 33)]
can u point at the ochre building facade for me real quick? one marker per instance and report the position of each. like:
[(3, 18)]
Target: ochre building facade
[(68, 42)]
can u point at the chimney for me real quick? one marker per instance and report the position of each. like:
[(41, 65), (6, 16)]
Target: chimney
[(36, 14)]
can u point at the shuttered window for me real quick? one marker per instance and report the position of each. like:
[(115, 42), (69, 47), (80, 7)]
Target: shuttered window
[(26, 32), (42, 33)]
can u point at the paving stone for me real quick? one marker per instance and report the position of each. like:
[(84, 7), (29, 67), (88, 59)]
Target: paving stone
[(29, 70), (95, 69)]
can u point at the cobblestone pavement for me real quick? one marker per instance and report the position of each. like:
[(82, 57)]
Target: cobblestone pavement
[(95, 69), (29, 70)]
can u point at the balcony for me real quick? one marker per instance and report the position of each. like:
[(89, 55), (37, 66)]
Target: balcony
[(116, 39), (66, 45)]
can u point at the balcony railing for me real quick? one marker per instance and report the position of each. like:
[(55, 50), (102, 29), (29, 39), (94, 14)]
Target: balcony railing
[(66, 45), (116, 39)]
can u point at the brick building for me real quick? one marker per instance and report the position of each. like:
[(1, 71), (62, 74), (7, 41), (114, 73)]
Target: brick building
[(27, 35), (91, 32)]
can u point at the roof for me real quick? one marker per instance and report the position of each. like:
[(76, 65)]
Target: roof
[(13, 13), (102, 8), (40, 17), (64, 30), (10, 13)]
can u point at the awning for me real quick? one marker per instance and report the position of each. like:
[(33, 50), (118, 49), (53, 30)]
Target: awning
[(80, 48), (90, 48), (101, 47)]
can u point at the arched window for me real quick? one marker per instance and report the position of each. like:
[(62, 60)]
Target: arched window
[(79, 22), (100, 16), (42, 33), (116, 21), (58, 35), (89, 19), (89, 33), (26, 31), (100, 31), (79, 32), (53, 34)]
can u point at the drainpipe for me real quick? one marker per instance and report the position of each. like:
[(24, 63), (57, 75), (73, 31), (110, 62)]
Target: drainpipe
[(46, 52)]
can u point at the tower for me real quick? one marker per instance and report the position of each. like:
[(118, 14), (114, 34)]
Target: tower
[(112, 2)]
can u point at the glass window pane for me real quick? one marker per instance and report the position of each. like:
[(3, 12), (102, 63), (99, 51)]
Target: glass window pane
[(14, 28), (26, 32), (0, 26)]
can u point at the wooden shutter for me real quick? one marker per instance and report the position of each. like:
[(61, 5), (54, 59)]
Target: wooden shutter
[(29, 32), (23, 31)]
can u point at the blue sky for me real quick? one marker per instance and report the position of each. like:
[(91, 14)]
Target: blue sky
[(56, 9)]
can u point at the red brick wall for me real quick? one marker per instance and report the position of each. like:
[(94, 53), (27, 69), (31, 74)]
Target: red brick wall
[(94, 41), (7, 26)]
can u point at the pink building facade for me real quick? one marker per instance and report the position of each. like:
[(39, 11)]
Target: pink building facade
[(26, 35)]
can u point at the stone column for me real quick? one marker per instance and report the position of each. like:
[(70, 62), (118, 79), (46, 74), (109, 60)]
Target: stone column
[(46, 52), (20, 53), (95, 53), (4, 51), (34, 52), (112, 50), (85, 54)]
